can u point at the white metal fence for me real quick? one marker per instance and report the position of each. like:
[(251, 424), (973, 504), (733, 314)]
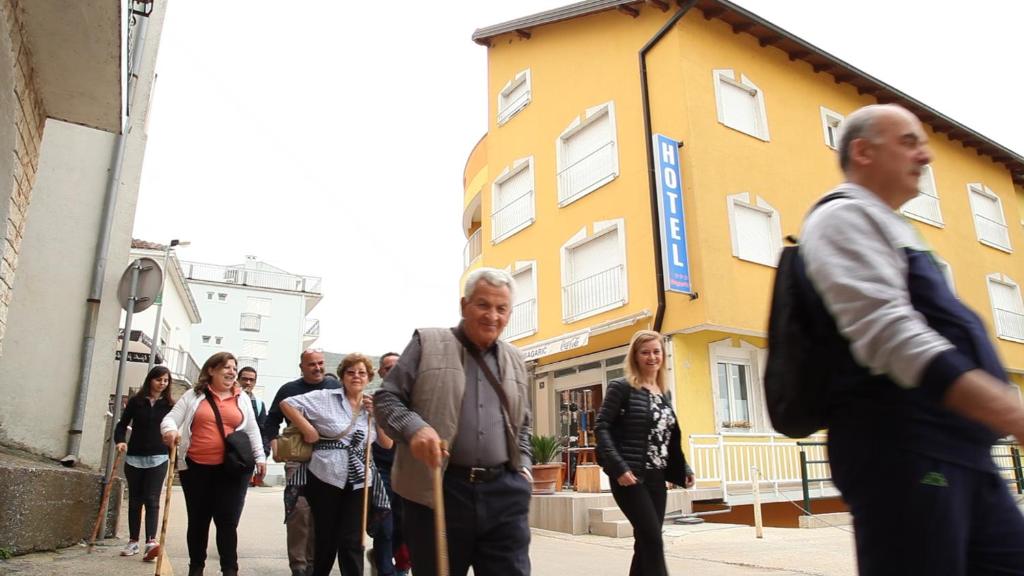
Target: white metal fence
[(512, 216), (579, 176), (1010, 323), (726, 459), (472, 250), (523, 319)]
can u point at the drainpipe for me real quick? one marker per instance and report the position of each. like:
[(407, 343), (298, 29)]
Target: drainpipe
[(659, 267), (92, 307)]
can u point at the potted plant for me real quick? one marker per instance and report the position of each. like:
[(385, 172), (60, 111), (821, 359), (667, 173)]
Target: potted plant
[(546, 471)]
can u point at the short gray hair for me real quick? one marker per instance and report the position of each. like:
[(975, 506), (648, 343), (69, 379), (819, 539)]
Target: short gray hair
[(860, 124), (492, 276)]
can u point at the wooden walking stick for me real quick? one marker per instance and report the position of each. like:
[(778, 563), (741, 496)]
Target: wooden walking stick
[(440, 530), (366, 479), (163, 567), (104, 500)]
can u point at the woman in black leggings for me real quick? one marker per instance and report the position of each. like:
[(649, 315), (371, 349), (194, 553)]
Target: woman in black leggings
[(145, 466), (638, 446)]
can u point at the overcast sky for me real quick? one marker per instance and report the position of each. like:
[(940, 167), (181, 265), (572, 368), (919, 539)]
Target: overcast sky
[(329, 138)]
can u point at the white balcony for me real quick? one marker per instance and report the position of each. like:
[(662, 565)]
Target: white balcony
[(249, 322), (181, 364), (312, 331), (1010, 324), (241, 276), (585, 174), (991, 232), (472, 250), (512, 217), (523, 321), (595, 293)]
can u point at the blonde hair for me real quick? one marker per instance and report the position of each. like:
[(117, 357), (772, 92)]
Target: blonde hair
[(640, 338)]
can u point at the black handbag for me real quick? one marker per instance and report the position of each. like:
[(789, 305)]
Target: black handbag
[(238, 458)]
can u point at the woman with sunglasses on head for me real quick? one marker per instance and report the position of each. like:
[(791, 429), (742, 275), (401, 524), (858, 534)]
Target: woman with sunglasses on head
[(638, 445), (145, 464)]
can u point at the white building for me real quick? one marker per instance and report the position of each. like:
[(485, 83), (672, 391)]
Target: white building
[(257, 312), (178, 314)]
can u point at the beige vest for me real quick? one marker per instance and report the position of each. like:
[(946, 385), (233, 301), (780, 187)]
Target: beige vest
[(437, 398)]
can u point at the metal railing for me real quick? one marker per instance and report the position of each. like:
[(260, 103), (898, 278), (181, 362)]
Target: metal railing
[(1010, 323), (522, 320), (1006, 454), (249, 322), (312, 328), (992, 231), (180, 363), (726, 459), (593, 293), (578, 177), (472, 250), (511, 107), (243, 276), (244, 361), (511, 216)]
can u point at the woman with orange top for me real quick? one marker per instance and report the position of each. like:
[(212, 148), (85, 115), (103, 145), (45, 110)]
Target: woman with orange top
[(212, 492)]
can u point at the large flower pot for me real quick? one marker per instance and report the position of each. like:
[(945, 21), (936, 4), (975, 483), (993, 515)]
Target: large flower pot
[(545, 478)]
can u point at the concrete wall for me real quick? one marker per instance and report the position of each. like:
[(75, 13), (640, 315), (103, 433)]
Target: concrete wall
[(41, 361), (21, 129)]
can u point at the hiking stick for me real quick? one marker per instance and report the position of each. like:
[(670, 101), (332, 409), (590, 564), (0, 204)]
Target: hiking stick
[(440, 531), (366, 479), (104, 500), (161, 559)]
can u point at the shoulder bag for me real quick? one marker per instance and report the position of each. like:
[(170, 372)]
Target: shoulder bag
[(238, 456)]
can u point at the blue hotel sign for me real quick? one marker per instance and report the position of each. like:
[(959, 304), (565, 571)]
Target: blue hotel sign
[(671, 215)]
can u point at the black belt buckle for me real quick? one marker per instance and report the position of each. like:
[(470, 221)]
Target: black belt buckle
[(479, 475)]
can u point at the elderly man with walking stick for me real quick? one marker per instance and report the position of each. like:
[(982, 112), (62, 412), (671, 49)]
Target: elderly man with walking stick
[(465, 388)]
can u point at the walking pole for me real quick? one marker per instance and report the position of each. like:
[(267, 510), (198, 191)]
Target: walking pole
[(366, 479), (440, 531), (104, 500), (161, 559)]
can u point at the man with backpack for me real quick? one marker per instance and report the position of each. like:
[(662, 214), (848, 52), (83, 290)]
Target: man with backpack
[(916, 394)]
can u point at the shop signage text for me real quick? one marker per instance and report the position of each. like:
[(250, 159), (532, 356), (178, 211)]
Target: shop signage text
[(561, 345), (671, 215)]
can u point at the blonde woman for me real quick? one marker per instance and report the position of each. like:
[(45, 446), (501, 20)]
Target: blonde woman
[(638, 445), (212, 492)]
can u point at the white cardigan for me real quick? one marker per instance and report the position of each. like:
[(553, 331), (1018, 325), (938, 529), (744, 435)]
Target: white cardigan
[(180, 418)]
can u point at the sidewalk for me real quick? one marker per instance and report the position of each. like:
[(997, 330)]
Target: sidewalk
[(705, 549)]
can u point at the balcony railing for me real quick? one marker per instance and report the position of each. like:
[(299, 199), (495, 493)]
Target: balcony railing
[(312, 329), (249, 277), (181, 364), (726, 459), (512, 216), (580, 176), (249, 322), (523, 320), (472, 250), (993, 232), (595, 292), (1010, 324)]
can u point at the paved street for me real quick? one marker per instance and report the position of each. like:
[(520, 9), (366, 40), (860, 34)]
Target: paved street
[(705, 549)]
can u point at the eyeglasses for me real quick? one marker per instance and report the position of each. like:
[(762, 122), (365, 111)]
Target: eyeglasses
[(361, 373), (246, 378)]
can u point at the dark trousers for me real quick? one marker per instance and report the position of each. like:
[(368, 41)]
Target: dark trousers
[(488, 527), (914, 514), (144, 486), (389, 534), (644, 506), (211, 493), (337, 525)]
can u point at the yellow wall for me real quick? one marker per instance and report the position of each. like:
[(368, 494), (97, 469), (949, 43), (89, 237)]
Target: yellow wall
[(587, 61)]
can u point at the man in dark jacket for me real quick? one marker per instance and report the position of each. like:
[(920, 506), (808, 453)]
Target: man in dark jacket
[(917, 393)]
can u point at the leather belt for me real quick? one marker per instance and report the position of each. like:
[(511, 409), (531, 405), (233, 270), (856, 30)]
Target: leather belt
[(476, 475)]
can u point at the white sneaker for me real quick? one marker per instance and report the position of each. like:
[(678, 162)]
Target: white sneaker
[(152, 551), (130, 549)]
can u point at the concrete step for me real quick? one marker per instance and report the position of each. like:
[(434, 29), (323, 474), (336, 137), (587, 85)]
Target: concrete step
[(826, 520), (605, 514), (612, 529)]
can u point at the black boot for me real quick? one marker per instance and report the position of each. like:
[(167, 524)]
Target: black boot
[(194, 570), (229, 571)]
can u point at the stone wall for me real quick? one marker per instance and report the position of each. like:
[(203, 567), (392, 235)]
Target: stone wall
[(22, 116)]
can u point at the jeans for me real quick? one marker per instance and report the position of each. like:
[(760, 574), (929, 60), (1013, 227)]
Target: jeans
[(144, 486)]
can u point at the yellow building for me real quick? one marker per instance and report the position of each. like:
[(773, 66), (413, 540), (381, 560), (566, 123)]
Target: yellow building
[(561, 192)]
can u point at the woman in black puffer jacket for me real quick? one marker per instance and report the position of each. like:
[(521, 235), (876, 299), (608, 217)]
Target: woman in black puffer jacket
[(638, 445)]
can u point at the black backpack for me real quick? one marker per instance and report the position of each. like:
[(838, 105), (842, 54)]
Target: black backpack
[(801, 334)]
